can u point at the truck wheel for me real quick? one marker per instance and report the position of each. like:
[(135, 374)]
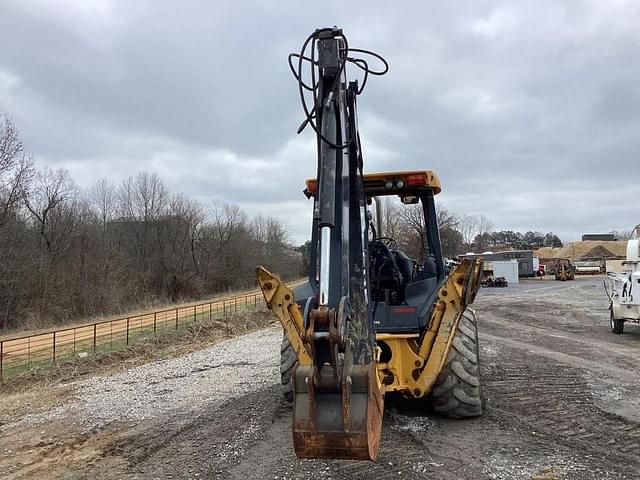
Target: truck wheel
[(458, 392), (288, 362), (617, 325)]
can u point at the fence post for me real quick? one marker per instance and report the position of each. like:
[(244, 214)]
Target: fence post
[(127, 330), (194, 314), (224, 309), (54, 348), (94, 337), (1, 355), (154, 322), (235, 302), (176, 319), (255, 300), (209, 311), (29, 353)]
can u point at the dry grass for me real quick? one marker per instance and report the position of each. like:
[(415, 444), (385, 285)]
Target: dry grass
[(29, 401)]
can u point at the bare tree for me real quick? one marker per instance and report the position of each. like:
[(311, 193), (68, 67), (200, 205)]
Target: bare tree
[(471, 225), (143, 197), (483, 225), (104, 202), (467, 227), (269, 230), (414, 242), (446, 220), (16, 169), (391, 221), (109, 274), (143, 202), (450, 236), (406, 224), (271, 246), (622, 235), (56, 213), (224, 221), (176, 235), (53, 206)]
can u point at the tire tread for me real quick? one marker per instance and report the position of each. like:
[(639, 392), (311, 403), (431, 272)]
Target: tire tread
[(288, 362), (458, 390)]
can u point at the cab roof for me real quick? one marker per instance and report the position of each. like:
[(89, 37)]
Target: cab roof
[(391, 183)]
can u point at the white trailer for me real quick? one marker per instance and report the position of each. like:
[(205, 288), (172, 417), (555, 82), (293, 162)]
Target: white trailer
[(624, 287), (508, 270)]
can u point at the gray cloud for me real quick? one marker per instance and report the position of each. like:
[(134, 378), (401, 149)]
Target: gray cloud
[(527, 112)]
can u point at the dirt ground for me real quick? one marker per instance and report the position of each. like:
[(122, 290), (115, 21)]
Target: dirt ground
[(562, 402)]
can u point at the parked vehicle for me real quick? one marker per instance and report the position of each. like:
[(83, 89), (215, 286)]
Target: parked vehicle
[(491, 281), (624, 287), (564, 270)]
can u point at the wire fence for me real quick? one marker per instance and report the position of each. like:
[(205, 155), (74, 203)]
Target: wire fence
[(33, 352)]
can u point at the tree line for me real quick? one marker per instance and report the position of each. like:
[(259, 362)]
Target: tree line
[(516, 240), (68, 253)]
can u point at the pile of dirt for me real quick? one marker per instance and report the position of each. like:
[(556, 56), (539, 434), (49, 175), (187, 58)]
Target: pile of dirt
[(598, 252), (587, 249)]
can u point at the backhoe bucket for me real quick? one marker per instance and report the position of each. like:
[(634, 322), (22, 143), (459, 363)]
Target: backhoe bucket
[(328, 423), (334, 415)]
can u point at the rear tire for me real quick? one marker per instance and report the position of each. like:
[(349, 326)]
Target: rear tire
[(617, 325), (458, 392), (288, 362)]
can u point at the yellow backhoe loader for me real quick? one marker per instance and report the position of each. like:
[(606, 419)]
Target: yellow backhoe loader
[(564, 270), (371, 319)]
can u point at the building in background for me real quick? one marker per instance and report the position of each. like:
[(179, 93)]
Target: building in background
[(599, 237), (523, 257)]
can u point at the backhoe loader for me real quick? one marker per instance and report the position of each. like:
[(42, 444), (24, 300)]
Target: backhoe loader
[(371, 319), (563, 270)]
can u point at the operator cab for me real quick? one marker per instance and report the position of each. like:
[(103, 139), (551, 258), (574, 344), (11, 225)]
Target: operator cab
[(406, 267)]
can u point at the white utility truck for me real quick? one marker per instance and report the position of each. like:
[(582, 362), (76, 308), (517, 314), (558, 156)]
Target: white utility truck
[(624, 287)]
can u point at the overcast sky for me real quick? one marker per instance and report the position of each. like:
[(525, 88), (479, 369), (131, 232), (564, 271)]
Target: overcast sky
[(528, 111)]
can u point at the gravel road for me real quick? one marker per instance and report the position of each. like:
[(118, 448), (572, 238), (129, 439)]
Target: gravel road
[(562, 403)]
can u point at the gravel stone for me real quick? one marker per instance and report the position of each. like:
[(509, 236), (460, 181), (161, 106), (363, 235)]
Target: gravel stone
[(183, 384)]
